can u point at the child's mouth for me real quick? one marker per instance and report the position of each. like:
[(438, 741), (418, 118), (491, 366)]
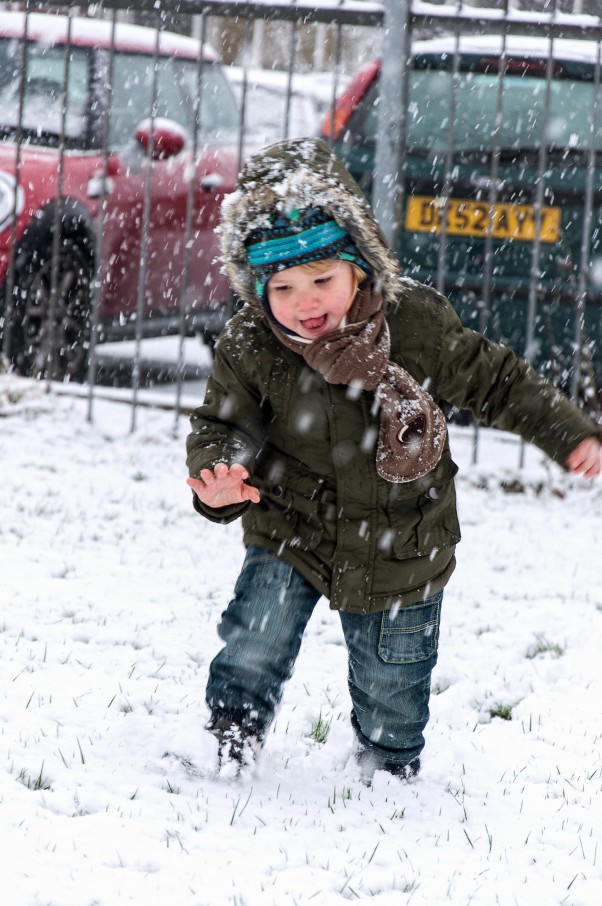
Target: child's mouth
[(313, 324)]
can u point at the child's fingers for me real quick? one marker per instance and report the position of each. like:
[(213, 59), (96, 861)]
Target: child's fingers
[(576, 464), (584, 462), (238, 471), (585, 458), (222, 471), (574, 460), (224, 485), (591, 467), (248, 492)]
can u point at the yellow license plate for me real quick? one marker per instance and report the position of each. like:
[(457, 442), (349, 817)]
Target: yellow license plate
[(471, 218)]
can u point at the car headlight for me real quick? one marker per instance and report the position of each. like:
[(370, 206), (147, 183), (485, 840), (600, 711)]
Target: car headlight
[(11, 200)]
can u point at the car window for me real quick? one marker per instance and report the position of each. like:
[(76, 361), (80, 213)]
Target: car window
[(219, 111), (42, 117), (523, 111), (132, 98)]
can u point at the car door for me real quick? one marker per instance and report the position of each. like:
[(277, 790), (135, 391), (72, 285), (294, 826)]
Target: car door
[(214, 115), (155, 190), (145, 192)]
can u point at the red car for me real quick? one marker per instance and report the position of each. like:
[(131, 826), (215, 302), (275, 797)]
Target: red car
[(69, 91)]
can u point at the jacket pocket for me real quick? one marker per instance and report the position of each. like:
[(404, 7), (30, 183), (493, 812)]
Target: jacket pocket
[(291, 506), (426, 522), (411, 634)]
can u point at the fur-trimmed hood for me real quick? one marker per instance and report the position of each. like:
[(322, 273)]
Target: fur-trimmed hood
[(292, 175)]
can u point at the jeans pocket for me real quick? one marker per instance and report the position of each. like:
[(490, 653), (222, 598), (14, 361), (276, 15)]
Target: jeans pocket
[(411, 634)]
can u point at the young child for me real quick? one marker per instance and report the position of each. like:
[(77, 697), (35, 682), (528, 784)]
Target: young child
[(322, 428)]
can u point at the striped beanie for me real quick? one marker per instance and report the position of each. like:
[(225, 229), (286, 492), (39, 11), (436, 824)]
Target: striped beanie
[(300, 237)]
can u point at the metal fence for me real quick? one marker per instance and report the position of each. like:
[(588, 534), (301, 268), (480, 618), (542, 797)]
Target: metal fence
[(120, 141)]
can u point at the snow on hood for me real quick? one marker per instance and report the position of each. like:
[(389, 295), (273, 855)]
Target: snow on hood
[(295, 175)]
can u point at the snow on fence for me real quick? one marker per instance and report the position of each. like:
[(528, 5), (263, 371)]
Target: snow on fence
[(477, 137)]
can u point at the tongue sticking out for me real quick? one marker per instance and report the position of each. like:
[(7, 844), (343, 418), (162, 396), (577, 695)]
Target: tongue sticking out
[(314, 323)]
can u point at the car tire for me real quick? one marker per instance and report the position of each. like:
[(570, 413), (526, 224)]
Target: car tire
[(32, 339), (209, 339)]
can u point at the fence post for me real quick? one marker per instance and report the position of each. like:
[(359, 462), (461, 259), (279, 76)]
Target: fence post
[(388, 191)]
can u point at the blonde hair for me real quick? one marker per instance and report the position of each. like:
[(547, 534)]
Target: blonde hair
[(323, 264)]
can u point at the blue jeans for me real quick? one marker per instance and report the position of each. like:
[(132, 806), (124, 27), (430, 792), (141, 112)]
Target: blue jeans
[(391, 657)]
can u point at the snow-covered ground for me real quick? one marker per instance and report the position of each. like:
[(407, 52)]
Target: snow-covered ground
[(111, 589)]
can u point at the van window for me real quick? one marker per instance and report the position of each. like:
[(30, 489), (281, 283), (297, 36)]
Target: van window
[(523, 109)]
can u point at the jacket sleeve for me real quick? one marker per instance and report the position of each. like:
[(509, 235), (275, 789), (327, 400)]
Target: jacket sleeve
[(504, 391), (228, 427)]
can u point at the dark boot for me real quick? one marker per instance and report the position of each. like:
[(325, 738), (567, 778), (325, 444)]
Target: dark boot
[(405, 771), (369, 764), (239, 739)]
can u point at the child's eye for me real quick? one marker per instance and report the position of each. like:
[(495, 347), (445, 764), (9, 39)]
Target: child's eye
[(322, 280)]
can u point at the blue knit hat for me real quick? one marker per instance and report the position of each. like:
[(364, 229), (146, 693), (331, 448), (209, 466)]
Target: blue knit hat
[(300, 237)]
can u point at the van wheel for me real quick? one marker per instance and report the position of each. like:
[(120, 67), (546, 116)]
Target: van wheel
[(57, 350)]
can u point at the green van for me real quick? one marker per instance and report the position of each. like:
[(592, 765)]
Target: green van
[(477, 141)]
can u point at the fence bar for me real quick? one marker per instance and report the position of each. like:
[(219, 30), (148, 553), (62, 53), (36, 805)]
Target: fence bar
[(539, 200), (485, 301), (370, 14), (144, 243), (337, 73), (9, 307), (192, 185), (584, 263), (99, 270), (306, 12), (51, 358), (247, 57), (493, 192), (289, 84), (389, 160), (449, 164)]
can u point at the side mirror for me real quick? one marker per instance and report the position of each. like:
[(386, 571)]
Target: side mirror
[(168, 138)]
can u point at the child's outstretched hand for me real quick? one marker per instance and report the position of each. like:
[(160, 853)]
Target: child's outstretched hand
[(224, 486), (585, 458)]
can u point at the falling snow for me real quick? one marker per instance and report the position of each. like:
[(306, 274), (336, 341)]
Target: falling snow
[(111, 591)]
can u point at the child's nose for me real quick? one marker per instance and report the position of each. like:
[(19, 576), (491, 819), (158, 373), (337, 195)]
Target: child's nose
[(306, 301)]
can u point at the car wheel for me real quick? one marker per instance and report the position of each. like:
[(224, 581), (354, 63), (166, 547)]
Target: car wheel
[(57, 349), (208, 338)]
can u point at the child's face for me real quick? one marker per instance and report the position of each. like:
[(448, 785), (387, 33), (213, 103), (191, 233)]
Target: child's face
[(311, 302)]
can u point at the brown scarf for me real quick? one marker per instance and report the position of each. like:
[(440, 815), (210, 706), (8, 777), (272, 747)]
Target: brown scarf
[(412, 427)]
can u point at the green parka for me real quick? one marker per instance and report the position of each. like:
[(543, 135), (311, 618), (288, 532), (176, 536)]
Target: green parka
[(309, 446)]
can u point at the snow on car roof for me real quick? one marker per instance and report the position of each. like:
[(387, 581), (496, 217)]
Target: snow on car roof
[(516, 45), (49, 28)]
